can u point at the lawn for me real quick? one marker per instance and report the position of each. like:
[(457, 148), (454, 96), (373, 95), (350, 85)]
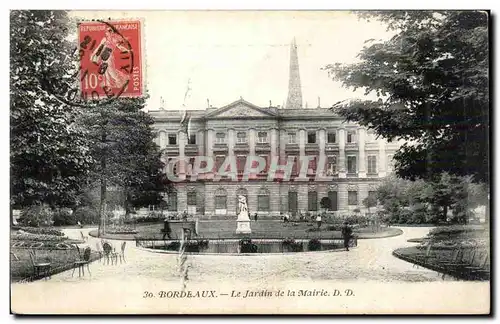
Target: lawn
[(61, 260), (461, 251), (215, 229)]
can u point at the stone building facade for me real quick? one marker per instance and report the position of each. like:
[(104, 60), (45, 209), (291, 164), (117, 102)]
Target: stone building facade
[(354, 160), (349, 155)]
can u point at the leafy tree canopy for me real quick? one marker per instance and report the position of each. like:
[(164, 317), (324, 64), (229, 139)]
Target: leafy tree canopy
[(48, 151), (431, 79)]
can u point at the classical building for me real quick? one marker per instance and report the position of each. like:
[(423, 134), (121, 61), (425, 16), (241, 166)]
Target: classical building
[(354, 160)]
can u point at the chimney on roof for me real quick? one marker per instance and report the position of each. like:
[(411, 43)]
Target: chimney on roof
[(319, 102), (208, 103)]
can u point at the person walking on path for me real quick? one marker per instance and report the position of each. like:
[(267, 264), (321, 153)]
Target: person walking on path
[(346, 234), (166, 228), (255, 217)]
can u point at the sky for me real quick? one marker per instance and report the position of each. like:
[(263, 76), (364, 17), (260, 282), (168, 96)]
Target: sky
[(225, 55)]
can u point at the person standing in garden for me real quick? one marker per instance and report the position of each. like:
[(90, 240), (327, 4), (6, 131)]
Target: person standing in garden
[(166, 228), (318, 221), (346, 234)]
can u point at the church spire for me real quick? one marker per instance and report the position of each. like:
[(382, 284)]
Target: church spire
[(294, 100)]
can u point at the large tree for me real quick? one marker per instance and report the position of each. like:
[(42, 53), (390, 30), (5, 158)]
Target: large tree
[(122, 141), (431, 79), (49, 154)]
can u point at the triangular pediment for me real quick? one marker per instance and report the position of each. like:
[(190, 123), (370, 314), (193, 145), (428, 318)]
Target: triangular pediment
[(241, 109)]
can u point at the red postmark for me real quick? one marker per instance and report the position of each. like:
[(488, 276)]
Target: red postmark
[(110, 59)]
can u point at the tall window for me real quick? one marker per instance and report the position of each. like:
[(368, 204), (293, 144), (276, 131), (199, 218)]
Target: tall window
[(220, 138), (311, 137), (240, 163), (241, 137), (351, 164), (331, 137), (312, 165), (263, 200), (352, 198), (192, 139), (266, 163), (331, 166), (219, 160), (220, 201), (295, 165), (372, 164), (312, 201), (191, 198), (172, 201), (172, 139), (262, 137), (351, 136), (292, 138)]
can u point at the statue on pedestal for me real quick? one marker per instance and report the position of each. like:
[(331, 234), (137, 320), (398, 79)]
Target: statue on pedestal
[(243, 220)]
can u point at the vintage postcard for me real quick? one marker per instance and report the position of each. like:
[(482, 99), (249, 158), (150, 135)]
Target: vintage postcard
[(249, 162)]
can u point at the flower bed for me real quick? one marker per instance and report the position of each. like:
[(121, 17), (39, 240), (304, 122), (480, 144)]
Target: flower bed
[(24, 236), (42, 230), (48, 245), (121, 230)]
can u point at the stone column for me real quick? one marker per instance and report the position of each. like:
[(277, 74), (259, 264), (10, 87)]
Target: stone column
[(302, 142), (210, 142), (283, 140), (182, 146), (341, 158), (382, 159), (274, 142), (231, 139), (322, 144), (200, 142), (342, 198), (361, 151), (252, 140)]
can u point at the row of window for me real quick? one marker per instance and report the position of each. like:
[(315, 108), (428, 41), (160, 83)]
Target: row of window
[(262, 137), (330, 167), (263, 200)]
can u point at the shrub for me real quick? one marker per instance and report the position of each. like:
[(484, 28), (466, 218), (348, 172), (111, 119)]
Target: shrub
[(314, 245), (87, 215), (37, 215), (64, 216), (292, 246), (246, 246)]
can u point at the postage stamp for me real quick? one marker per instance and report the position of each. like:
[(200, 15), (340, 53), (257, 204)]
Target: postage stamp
[(111, 59)]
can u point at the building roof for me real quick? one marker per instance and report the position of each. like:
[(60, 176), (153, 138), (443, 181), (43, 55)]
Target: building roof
[(244, 109)]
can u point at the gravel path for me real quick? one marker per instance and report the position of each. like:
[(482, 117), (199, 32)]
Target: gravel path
[(371, 262)]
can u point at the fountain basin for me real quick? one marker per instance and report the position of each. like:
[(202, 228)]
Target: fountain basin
[(245, 246)]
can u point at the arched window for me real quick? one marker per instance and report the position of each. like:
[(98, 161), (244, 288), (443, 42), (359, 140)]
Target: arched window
[(263, 204), (220, 202)]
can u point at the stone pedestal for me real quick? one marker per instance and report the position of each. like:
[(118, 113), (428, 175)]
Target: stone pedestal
[(243, 227)]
